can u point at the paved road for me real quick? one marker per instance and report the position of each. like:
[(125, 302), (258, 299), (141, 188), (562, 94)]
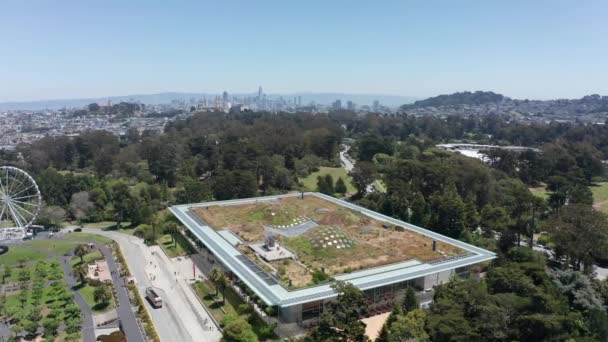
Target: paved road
[(349, 164), (182, 318), (127, 317)]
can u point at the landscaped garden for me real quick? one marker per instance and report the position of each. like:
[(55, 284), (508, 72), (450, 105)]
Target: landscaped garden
[(232, 311), (41, 304), (176, 245), (94, 300)]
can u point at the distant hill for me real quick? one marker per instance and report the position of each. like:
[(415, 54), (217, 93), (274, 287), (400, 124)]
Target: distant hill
[(462, 98), (164, 98)]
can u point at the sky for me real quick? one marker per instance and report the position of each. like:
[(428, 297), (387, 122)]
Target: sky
[(522, 49)]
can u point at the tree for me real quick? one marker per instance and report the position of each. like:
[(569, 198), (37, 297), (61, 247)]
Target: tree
[(410, 302), (340, 186), (342, 321), (80, 251), (409, 327), (93, 107), (237, 329), (577, 287), (23, 296), (172, 229), (580, 233), (363, 174), (448, 212), (81, 271), (52, 216), (50, 326), (103, 294), (6, 273), (81, 205), (23, 275), (215, 274), (121, 198), (324, 187), (29, 326)]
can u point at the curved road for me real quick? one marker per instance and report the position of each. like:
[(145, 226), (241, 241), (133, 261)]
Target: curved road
[(182, 318)]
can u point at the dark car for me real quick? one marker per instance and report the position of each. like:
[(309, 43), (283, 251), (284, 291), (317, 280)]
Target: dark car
[(79, 229)]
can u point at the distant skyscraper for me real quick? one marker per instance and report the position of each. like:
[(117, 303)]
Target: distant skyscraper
[(337, 105), (350, 105), (299, 101), (376, 106), (225, 96), (260, 92)]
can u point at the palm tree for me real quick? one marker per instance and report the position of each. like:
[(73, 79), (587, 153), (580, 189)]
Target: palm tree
[(171, 228), (222, 283), (81, 271), (102, 294), (215, 274), (81, 250)]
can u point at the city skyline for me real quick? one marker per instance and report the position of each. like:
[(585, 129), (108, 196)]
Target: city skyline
[(520, 49)]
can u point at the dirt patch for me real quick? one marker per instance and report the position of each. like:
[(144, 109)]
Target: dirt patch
[(290, 269)]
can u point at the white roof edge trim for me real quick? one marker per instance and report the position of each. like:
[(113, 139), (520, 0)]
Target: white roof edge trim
[(276, 294)]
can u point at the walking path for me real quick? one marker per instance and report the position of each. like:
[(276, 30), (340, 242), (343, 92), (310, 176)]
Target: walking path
[(181, 318)]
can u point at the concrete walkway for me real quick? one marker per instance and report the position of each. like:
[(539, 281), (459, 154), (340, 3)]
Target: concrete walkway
[(182, 318)]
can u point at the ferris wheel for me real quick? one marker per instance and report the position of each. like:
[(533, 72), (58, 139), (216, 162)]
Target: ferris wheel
[(20, 201)]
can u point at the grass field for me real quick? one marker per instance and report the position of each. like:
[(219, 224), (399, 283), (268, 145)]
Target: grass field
[(60, 247), (310, 183), (16, 253), (111, 225), (539, 191), (599, 190), (88, 258), (91, 237), (181, 247), (600, 196), (87, 292)]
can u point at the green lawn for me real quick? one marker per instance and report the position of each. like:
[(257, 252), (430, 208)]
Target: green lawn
[(87, 292), (16, 253), (310, 183), (181, 248), (600, 196), (111, 225), (206, 292), (380, 186), (88, 258), (60, 247), (88, 236)]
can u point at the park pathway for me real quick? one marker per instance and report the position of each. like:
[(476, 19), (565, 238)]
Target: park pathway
[(128, 321)]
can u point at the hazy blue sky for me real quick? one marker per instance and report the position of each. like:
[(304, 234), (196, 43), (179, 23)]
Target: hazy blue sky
[(523, 49)]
